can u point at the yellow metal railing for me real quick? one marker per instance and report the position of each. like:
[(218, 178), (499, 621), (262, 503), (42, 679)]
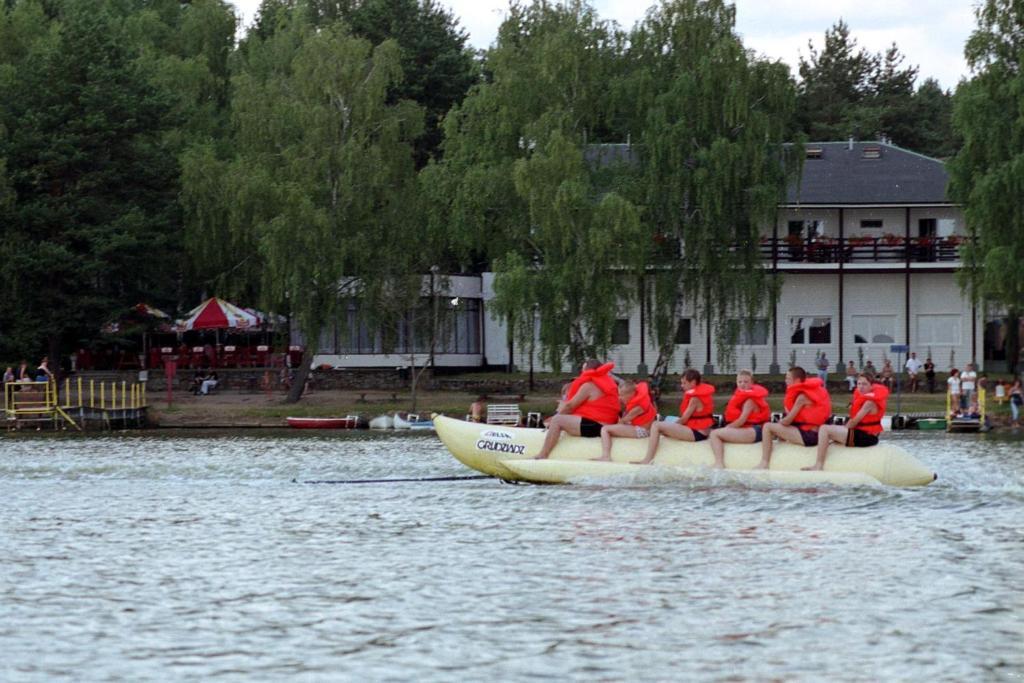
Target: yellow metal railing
[(105, 395), (33, 398)]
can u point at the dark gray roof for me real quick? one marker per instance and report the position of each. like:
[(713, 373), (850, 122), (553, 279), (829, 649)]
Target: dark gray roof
[(840, 175), (843, 176)]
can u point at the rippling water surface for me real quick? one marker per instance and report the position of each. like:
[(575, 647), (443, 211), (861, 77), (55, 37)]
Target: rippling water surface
[(162, 557)]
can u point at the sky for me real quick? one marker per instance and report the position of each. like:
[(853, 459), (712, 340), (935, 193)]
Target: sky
[(930, 33)]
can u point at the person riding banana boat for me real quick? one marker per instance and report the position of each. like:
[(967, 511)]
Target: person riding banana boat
[(591, 403), (745, 414), (694, 416), (636, 420), (808, 406), (864, 425)]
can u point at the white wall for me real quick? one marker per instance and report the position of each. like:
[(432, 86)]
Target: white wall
[(893, 220)]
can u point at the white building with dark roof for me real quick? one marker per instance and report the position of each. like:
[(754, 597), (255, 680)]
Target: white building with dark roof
[(867, 249)]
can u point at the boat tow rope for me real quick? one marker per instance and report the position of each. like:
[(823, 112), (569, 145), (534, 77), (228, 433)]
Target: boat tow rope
[(387, 481)]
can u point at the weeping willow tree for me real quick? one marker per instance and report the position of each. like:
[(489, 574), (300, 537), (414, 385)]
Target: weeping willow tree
[(322, 168), (711, 119), (987, 175), (517, 193)]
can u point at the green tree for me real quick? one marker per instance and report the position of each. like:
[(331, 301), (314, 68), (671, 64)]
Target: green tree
[(834, 83), (711, 120), (438, 69), (846, 91), (322, 168), (987, 174), (515, 191), (91, 228)]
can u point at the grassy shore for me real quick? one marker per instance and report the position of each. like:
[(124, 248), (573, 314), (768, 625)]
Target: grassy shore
[(237, 409)]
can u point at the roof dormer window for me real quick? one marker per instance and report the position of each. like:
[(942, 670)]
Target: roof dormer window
[(872, 152), (814, 152)]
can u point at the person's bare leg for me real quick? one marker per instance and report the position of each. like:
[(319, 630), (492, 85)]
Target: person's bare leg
[(670, 430), (652, 444), (767, 440), (555, 427), (826, 435), (771, 431), (720, 437), (606, 443), (616, 430)]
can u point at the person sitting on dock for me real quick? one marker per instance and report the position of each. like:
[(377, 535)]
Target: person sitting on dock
[(694, 416), (592, 402), (807, 405), (43, 373), (209, 382), (636, 420), (864, 425), (745, 414)]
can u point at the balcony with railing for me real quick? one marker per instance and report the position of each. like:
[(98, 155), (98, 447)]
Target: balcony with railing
[(891, 249)]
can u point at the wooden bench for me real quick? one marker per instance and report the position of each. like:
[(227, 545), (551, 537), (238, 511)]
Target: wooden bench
[(504, 414)]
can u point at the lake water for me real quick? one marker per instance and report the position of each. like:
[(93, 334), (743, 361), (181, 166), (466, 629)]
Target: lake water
[(185, 558)]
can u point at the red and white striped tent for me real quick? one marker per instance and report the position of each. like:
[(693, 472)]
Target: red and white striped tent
[(217, 314)]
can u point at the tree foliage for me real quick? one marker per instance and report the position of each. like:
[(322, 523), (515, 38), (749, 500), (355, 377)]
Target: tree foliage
[(711, 119), (89, 222), (322, 172), (846, 91), (987, 175)]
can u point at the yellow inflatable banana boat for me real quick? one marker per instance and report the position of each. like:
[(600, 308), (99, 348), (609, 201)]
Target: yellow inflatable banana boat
[(507, 452)]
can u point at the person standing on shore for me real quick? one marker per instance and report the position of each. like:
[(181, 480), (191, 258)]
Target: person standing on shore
[(929, 375), (913, 365), (1016, 401), (953, 389), (968, 380), (822, 365)]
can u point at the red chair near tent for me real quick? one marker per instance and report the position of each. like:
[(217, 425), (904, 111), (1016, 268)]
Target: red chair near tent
[(295, 356), (197, 357), (229, 357), (260, 355), (153, 360)]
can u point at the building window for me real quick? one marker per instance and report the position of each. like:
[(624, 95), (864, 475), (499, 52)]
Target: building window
[(683, 331), (750, 332), (927, 227), (938, 329), (620, 333), (805, 229), (871, 224), (874, 329), (810, 330)]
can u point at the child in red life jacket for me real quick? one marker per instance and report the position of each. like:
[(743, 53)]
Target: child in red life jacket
[(745, 413), (592, 402), (694, 415), (807, 405), (636, 419), (864, 425)]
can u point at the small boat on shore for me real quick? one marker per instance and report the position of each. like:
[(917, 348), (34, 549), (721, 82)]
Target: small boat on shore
[(507, 452), (412, 421), (382, 422), (348, 422)]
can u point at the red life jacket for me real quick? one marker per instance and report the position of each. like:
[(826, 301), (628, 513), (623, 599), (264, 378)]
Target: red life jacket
[(811, 416), (879, 394), (757, 393), (701, 418), (642, 399), (605, 409)]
